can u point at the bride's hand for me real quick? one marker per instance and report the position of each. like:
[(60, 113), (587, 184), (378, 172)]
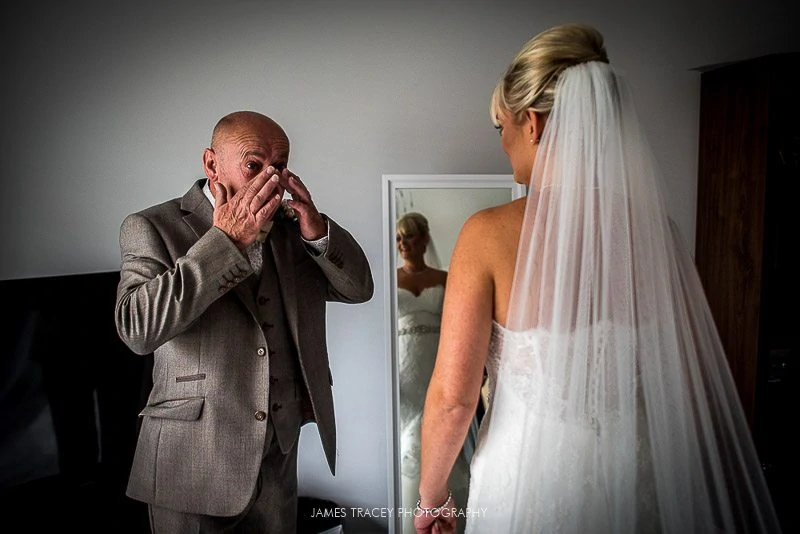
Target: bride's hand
[(438, 525), (442, 523)]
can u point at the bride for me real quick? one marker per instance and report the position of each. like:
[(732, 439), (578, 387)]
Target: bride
[(419, 312), (612, 406)]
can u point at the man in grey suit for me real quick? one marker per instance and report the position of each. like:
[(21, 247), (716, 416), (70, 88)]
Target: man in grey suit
[(228, 286)]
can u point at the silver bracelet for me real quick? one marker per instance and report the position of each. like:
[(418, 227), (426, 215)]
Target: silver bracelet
[(435, 511)]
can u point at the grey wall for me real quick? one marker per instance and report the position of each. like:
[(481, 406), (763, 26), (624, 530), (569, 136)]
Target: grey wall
[(107, 106), (446, 211)]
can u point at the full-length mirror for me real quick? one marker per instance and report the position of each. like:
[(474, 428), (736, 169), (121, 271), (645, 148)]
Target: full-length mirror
[(423, 215)]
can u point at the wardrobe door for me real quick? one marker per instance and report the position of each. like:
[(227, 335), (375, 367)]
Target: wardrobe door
[(748, 225)]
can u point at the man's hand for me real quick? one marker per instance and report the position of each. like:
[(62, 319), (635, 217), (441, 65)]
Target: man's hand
[(312, 225), (242, 215)]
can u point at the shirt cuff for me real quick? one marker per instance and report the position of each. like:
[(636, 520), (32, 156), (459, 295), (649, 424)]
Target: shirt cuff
[(320, 246)]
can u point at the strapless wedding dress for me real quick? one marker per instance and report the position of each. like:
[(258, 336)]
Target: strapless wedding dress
[(419, 319), (504, 496)]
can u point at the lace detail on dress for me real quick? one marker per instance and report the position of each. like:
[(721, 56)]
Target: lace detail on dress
[(533, 379), (537, 488), (418, 323)]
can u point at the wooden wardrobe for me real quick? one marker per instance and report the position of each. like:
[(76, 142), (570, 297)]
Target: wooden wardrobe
[(748, 227)]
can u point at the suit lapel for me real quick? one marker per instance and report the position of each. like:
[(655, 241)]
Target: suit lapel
[(200, 217), (199, 212), (244, 290), (281, 246)]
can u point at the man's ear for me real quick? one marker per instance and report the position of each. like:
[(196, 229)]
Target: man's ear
[(210, 168), (210, 164)]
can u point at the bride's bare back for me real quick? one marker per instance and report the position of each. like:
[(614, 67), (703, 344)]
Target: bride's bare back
[(503, 260), (492, 240)]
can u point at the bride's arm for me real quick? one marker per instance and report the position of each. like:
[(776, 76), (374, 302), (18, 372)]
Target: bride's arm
[(454, 389)]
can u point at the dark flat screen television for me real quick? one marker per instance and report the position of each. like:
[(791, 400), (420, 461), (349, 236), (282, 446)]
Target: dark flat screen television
[(70, 394)]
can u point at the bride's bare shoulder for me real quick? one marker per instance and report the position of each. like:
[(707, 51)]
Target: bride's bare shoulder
[(494, 224), (497, 217)]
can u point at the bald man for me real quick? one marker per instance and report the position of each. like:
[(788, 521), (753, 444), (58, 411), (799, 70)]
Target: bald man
[(228, 286)]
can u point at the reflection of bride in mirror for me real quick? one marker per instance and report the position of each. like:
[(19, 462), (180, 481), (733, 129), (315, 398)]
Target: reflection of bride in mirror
[(420, 296)]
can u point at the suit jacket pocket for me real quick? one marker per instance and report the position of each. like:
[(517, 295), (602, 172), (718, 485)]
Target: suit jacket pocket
[(188, 409)]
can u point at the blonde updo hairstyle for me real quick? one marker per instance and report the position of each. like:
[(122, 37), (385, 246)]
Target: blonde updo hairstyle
[(413, 222), (530, 81)]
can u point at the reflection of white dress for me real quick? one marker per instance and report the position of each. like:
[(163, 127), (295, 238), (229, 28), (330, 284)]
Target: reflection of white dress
[(419, 318)]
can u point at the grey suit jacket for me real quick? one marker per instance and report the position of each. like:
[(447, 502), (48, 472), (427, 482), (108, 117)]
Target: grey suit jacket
[(202, 436)]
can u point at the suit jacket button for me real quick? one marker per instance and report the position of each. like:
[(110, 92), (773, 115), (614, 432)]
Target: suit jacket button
[(260, 416), (277, 406), (262, 300), (261, 351)]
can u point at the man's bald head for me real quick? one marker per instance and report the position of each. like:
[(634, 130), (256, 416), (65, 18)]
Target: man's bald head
[(235, 123)]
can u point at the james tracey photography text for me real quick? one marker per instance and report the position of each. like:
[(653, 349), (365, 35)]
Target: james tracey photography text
[(343, 512)]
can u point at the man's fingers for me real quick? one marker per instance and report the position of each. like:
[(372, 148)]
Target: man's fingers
[(295, 186), (265, 193), (266, 211), (255, 186), (220, 194)]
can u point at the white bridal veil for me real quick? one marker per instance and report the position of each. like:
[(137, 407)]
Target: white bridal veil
[(628, 413)]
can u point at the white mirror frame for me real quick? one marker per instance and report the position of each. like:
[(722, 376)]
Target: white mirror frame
[(390, 186)]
